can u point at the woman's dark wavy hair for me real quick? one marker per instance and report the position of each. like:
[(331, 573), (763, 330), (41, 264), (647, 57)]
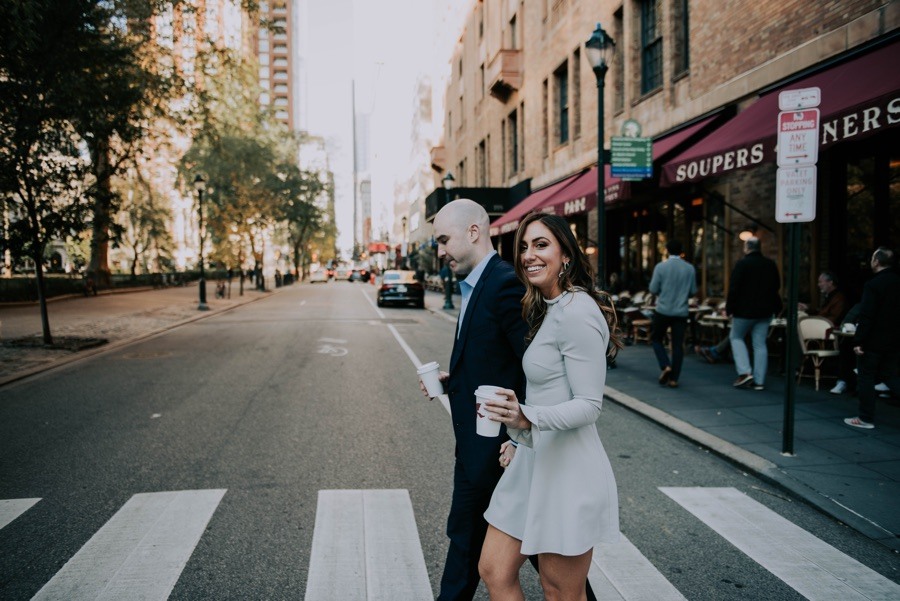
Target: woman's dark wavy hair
[(579, 274)]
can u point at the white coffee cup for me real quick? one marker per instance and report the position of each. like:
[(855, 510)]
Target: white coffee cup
[(428, 373), (484, 425)]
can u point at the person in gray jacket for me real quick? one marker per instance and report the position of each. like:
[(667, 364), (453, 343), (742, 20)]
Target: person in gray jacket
[(674, 281)]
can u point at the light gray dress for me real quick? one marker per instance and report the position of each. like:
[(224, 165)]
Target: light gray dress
[(558, 494)]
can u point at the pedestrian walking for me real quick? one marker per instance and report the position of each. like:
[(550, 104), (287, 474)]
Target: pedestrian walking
[(674, 282), (877, 339), (753, 299), (488, 349), (558, 497)]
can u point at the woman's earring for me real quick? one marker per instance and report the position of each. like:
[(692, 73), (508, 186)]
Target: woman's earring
[(565, 267)]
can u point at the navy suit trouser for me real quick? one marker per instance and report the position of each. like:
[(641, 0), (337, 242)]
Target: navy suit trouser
[(466, 528)]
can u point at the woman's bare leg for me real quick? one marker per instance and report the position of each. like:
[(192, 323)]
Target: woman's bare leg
[(563, 576), (499, 565)]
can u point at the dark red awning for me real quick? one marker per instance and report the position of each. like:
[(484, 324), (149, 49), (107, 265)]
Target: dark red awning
[(664, 144), (860, 97), (581, 196), (509, 221)]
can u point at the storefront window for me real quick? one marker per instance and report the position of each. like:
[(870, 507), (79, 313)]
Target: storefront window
[(713, 246)]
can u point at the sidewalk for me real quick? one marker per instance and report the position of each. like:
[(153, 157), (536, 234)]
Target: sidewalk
[(852, 475), (118, 318)]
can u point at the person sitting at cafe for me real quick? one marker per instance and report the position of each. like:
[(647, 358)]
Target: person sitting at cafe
[(834, 304)]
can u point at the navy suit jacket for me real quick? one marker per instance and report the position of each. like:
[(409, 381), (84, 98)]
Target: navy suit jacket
[(488, 350)]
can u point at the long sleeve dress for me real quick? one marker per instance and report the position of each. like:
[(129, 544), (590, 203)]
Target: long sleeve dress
[(558, 494)]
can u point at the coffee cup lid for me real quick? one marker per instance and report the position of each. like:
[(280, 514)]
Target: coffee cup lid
[(428, 367)]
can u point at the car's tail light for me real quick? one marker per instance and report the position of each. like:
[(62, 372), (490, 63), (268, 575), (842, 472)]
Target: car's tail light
[(385, 287)]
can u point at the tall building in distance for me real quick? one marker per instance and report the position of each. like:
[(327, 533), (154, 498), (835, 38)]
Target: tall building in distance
[(273, 44)]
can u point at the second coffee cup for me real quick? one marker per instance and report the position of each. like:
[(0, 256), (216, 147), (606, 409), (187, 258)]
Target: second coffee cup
[(484, 425)]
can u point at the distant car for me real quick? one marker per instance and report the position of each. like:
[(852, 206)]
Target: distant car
[(400, 286), (318, 276)]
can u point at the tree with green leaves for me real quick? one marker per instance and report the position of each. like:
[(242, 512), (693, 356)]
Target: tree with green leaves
[(46, 65)]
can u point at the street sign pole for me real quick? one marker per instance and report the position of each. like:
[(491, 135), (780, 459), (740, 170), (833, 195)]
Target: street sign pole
[(790, 342), (795, 203)]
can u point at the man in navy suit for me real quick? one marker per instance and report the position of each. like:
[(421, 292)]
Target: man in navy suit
[(487, 349)]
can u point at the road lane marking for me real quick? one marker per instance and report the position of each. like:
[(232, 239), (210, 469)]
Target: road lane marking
[(620, 572), (443, 398), (366, 548), (140, 552), (807, 564), (10, 509)]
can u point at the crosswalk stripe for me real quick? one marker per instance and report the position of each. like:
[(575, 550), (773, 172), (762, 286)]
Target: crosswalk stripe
[(807, 564), (10, 509), (619, 572), (366, 547), (140, 552)]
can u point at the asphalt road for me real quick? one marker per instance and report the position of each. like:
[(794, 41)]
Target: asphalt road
[(311, 390)]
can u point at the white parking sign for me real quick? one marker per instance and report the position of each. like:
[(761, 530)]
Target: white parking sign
[(795, 194)]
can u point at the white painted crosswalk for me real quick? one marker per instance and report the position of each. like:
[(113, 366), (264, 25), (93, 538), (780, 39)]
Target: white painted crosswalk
[(807, 564), (12, 508), (366, 547), (140, 552)]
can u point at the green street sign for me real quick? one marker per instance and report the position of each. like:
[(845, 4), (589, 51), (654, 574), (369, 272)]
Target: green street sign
[(631, 158)]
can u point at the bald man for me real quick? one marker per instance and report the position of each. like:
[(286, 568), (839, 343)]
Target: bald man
[(488, 349)]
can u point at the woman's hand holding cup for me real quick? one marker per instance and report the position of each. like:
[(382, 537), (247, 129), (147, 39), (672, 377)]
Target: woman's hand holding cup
[(507, 411)]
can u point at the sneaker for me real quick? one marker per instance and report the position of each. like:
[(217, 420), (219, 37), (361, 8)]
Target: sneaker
[(881, 387), (758, 387), (743, 380), (839, 388), (664, 375), (858, 423)]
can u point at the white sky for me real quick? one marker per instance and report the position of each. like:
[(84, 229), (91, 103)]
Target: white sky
[(383, 45)]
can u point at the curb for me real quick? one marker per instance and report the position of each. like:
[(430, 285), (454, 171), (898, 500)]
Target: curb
[(759, 466), (120, 343), (62, 297)]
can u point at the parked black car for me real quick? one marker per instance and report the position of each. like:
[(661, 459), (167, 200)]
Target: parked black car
[(400, 286)]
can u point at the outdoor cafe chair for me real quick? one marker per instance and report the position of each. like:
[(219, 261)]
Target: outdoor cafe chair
[(816, 344)]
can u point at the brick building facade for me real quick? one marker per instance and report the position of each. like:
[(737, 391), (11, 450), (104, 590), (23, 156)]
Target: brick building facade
[(521, 109)]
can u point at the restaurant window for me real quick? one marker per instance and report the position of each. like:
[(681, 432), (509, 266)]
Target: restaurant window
[(576, 94), (681, 48), (618, 66), (651, 46), (872, 206), (561, 102)]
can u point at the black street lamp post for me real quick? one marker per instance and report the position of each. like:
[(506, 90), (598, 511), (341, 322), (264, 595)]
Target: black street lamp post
[(200, 186), (600, 48)]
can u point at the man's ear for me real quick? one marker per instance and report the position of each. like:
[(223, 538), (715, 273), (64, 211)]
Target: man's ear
[(474, 230)]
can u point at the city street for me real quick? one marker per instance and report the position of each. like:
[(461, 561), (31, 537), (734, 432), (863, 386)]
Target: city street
[(191, 465)]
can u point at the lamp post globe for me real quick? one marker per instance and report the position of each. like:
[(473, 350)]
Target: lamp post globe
[(448, 181), (200, 187), (599, 49)]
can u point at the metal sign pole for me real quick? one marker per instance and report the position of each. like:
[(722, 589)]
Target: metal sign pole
[(790, 338)]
